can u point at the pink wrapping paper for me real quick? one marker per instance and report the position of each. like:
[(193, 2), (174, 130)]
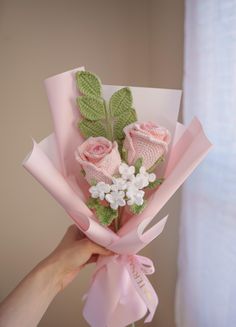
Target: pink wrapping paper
[(120, 292)]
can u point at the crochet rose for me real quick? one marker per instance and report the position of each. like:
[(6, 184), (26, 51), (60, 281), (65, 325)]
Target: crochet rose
[(99, 158), (148, 141)]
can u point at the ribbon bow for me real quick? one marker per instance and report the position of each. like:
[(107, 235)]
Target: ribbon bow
[(139, 267), (120, 292)]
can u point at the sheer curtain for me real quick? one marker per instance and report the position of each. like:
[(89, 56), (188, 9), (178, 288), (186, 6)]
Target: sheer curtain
[(206, 287)]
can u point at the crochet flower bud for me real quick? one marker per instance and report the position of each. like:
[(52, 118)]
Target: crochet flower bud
[(99, 158), (148, 141)]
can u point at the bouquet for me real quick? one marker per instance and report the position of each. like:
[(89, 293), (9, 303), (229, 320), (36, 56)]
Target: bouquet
[(116, 156)]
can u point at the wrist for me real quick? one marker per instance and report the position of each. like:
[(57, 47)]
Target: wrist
[(50, 274), (58, 271)]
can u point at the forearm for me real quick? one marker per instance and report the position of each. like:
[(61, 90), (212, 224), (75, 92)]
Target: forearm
[(26, 305)]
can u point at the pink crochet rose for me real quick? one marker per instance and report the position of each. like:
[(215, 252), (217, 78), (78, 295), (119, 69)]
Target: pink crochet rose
[(99, 158), (146, 140)]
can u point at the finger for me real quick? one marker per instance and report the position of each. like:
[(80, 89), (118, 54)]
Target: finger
[(73, 233), (97, 249), (80, 235), (92, 259)]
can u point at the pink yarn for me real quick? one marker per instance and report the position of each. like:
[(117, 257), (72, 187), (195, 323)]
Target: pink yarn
[(99, 158), (146, 140)]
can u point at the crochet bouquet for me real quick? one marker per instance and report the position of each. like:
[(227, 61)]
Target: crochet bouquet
[(115, 158)]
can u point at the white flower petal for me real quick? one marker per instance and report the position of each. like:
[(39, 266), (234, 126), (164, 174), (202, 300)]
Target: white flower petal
[(140, 181), (123, 167), (109, 198), (92, 189), (94, 195), (119, 184), (130, 202), (121, 194), (140, 194), (107, 188), (101, 196), (142, 170), (152, 177), (131, 192), (139, 201), (114, 206), (122, 202), (114, 187), (127, 172), (100, 185), (131, 170), (145, 183), (131, 178)]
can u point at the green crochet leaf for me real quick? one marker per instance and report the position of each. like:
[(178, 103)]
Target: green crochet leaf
[(156, 183), (91, 108), (124, 154), (157, 163), (138, 164), (106, 214), (123, 120), (120, 102), (135, 209), (98, 118), (88, 83), (93, 182), (91, 128), (92, 203)]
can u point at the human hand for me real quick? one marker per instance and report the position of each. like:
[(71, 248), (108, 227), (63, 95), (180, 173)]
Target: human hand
[(71, 255), (26, 304)]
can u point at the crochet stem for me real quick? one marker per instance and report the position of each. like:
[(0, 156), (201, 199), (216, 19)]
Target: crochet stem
[(109, 123), (117, 224), (118, 219)]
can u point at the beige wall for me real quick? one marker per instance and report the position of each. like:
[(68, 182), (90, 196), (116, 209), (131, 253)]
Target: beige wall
[(136, 42)]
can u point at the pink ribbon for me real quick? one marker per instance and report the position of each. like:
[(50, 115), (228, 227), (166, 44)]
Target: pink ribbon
[(120, 292), (139, 267)]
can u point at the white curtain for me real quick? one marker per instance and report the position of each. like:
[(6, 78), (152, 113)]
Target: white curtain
[(206, 287)]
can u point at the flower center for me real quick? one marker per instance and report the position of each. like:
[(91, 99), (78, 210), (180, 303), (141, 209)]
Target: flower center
[(98, 149)]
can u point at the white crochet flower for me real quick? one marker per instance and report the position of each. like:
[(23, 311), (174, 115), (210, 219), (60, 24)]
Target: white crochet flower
[(116, 199), (127, 188), (119, 184), (134, 195), (127, 172), (140, 181), (150, 177), (99, 190)]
